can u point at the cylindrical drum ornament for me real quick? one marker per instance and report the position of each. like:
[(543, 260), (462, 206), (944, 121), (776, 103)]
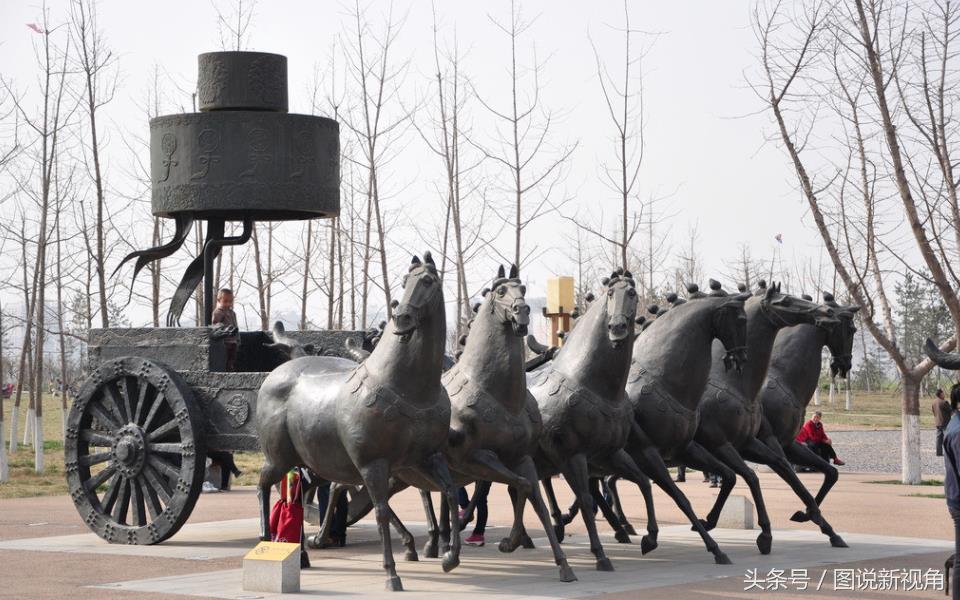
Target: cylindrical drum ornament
[(244, 157), (242, 81)]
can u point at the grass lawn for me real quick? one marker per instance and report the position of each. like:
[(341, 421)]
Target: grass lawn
[(870, 411)]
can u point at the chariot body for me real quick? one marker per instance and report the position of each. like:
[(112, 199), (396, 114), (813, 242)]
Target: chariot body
[(159, 399)]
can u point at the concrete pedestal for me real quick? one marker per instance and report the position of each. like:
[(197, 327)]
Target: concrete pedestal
[(737, 513), (272, 567)]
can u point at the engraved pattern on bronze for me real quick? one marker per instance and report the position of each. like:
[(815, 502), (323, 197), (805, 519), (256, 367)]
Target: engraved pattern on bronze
[(168, 145), (207, 142)]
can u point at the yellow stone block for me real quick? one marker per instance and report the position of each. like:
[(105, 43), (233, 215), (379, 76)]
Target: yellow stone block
[(560, 295)]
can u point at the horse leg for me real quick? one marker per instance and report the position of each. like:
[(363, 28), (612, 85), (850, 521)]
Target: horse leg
[(438, 474), (648, 459), (527, 470), (558, 522), (696, 456), (269, 475), (445, 522), (486, 466), (430, 549), (323, 533), (405, 536), (607, 512), (611, 484), (376, 476), (801, 455), (729, 455), (757, 451), (577, 474), (620, 462)]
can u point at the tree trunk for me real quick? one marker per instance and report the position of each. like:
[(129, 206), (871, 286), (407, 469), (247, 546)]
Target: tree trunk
[(261, 297), (331, 264), (910, 431), (306, 275), (4, 469)]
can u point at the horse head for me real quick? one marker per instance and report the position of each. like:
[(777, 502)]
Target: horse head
[(729, 325), (421, 292), (621, 306), (784, 310), (840, 336), (507, 301)]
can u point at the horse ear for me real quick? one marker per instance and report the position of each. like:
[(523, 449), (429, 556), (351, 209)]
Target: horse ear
[(514, 271), (770, 292), (416, 260), (854, 308), (428, 258), (828, 297), (500, 273)]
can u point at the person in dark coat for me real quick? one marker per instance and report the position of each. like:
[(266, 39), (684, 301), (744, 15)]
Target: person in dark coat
[(224, 316), (951, 487), (941, 415), (813, 435)]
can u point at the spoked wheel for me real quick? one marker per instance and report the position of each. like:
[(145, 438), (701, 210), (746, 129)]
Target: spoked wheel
[(134, 457)]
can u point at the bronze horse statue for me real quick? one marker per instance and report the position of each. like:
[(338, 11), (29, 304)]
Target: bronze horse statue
[(495, 424), (792, 378), (586, 418), (668, 375), (363, 424), (731, 413)]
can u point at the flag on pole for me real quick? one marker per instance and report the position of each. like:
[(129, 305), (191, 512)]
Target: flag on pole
[(779, 237), (35, 27)]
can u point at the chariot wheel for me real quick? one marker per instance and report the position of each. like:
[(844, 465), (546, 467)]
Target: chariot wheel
[(134, 452)]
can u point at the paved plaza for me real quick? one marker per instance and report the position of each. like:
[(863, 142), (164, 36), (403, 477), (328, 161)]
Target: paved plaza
[(45, 551)]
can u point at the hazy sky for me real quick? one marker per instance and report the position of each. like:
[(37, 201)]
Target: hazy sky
[(705, 145)]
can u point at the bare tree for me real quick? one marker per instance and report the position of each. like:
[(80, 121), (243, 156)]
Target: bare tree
[(375, 122), (884, 73), (522, 144), (38, 186), (97, 65)]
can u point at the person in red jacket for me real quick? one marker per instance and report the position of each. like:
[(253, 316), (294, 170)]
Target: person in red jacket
[(813, 435)]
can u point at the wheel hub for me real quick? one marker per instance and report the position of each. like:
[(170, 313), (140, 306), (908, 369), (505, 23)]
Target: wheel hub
[(129, 451)]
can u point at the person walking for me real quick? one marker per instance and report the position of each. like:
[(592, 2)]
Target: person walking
[(941, 414), (951, 487), (480, 505), (813, 435), (224, 316)]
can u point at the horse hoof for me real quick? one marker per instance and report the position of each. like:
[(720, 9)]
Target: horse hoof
[(647, 544), (722, 559), (526, 542), (622, 537), (629, 529), (430, 550), (506, 546), (411, 556), (304, 560), (604, 564), (800, 517), (837, 542), (764, 542), (394, 585), (558, 531), (566, 574), (450, 562)]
